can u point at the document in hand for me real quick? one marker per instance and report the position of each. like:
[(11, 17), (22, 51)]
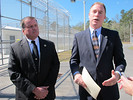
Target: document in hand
[(92, 88)]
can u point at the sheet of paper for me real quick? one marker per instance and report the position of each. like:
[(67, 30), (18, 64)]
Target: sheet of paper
[(92, 88)]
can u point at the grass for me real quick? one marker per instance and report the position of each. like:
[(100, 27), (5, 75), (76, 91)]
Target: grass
[(64, 56), (131, 47), (128, 43)]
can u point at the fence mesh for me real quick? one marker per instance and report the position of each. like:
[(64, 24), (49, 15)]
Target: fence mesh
[(52, 18)]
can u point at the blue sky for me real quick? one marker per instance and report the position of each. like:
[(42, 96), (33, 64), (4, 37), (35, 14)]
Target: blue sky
[(75, 9), (113, 8)]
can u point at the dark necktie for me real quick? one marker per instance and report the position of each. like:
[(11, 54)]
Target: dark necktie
[(95, 43), (35, 54)]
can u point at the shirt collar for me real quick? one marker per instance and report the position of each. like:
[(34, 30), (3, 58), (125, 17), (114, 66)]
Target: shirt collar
[(98, 30), (36, 40)]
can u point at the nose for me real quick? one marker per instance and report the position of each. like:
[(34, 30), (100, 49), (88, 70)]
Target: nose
[(97, 13)]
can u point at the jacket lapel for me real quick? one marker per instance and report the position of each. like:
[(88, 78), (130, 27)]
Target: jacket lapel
[(43, 52), (89, 44), (104, 39), (27, 52)]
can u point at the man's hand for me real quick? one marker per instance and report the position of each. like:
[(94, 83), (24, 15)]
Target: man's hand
[(41, 92), (113, 80), (78, 79)]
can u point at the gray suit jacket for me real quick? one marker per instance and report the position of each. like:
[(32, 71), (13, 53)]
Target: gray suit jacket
[(111, 51), (24, 74)]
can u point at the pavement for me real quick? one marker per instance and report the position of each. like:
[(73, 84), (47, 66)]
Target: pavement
[(66, 89)]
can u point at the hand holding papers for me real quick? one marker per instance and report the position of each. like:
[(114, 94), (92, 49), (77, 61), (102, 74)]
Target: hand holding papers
[(92, 88)]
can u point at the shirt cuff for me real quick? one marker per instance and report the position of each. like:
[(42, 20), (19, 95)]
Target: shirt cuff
[(118, 72), (77, 72)]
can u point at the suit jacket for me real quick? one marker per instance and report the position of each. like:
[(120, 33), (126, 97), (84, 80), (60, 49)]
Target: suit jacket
[(23, 72), (111, 51)]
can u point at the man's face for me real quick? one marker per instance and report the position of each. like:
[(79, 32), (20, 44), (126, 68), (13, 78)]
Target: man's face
[(96, 16), (31, 29)]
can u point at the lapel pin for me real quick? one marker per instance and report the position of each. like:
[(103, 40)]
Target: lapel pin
[(35, 58), (45, 45), (106, 37)]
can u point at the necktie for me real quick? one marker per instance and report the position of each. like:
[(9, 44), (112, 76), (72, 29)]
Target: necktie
[(35, 54), (95, 43)]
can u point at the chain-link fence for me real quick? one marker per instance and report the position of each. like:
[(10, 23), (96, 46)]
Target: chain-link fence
[(131, 32), (53, 23)]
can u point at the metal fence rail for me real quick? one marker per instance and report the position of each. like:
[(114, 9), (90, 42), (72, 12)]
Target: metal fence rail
[(7, 88), (53, 21), (62, 78)]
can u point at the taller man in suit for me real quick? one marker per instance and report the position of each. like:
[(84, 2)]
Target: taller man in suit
[(102, 56), (33, 75)]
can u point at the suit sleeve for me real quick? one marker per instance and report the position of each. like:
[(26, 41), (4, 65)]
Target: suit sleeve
[(75, 60), (119, 60), (21, 82)]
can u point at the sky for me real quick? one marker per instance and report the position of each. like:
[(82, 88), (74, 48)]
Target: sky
[(113, 8), (76, 10)]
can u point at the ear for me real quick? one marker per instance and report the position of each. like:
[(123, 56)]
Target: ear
[(23, 31), (89, 15), (105, 17)]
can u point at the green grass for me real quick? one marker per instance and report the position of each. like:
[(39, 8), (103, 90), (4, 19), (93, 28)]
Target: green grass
[(131, 47), (64, 56), (128, 43)]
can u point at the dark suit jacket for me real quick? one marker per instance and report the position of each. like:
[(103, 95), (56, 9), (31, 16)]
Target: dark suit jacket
[(24, 74), (100, 69)]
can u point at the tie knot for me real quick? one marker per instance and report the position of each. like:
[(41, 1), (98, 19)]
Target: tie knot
[(94, 32), (33, 42)]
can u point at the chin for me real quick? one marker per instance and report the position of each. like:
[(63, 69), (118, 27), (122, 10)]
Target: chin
[(95, 26)]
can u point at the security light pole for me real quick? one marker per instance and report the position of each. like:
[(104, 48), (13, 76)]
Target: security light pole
[(73, 0)]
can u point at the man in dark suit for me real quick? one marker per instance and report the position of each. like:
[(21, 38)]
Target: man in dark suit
[(102, 56), (34, 73)]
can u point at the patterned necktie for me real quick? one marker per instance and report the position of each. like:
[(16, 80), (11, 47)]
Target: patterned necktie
[(95, 43), (35, 54)]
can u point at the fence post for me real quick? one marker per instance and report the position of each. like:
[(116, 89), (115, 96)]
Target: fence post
[(57, 30), (1, 36)]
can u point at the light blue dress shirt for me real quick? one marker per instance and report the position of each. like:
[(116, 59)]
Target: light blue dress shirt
[(98, 33), (31, 45)]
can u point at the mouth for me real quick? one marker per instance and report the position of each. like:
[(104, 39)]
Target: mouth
[(96, 19)]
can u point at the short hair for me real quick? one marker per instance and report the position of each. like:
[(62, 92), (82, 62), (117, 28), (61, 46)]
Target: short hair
[(99, 4), (23, 20)]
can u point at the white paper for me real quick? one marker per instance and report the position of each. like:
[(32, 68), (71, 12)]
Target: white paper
[(92, 88)]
